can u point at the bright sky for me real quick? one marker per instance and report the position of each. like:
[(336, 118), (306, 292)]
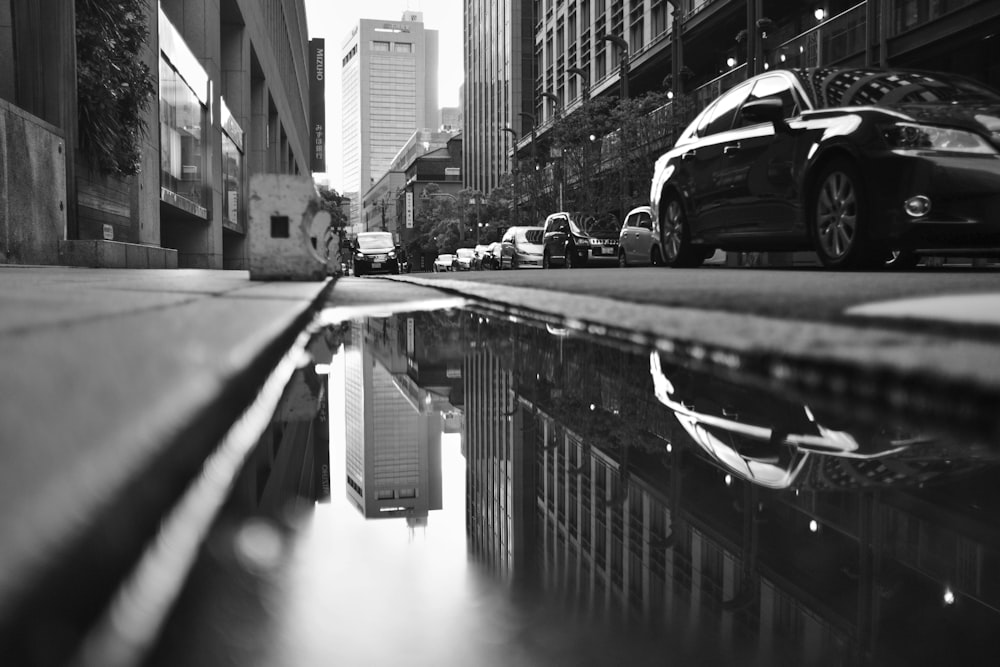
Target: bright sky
[(332, 20)]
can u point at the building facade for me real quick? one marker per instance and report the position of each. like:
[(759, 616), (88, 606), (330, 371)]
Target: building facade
[(389, 86), (231, 99), (383, 204), (585, 48), (499, 80)]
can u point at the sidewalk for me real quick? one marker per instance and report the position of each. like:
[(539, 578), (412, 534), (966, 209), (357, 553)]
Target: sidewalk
[(116, 385)]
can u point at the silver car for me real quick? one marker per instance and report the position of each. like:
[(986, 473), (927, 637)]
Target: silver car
[(637, 243)]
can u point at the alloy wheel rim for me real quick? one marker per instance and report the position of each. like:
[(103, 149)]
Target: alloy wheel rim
[(672, 230), (837, 215)]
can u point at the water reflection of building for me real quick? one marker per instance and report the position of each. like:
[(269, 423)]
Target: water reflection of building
[(393, 435), (499, 469), (666, 534), (289, 468)]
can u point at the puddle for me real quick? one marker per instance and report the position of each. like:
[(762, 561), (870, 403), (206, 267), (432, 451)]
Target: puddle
[(497, 491)]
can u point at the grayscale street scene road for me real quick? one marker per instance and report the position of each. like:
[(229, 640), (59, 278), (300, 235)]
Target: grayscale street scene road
[(468, 332)]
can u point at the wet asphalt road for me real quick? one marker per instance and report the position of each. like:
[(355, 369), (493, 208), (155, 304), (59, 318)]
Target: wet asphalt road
[(809, 294)]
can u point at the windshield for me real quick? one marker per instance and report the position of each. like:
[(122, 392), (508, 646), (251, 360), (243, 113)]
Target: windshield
[(533, 235), (591, 224), (374, 240), (863, 87)]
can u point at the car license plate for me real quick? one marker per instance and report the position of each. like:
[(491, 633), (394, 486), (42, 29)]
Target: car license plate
[(376, 265), (607, 250)]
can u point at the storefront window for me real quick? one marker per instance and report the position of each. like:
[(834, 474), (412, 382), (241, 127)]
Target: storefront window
[(232, 170), (184, 96)]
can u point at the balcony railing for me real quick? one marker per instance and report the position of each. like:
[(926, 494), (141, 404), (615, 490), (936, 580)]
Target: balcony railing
[(833, 41)]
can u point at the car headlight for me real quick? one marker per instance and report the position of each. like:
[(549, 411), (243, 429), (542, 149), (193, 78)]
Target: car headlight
[(596, 242), (392, 254), (359, 255), (911, 136)]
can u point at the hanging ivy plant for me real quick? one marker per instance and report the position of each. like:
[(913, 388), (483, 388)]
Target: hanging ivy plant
[(114, 86)]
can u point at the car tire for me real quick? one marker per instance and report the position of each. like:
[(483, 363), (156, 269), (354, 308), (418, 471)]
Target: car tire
[(546, 260), (655, 259), (622, 261), (902, 260), (571, 261), (839, 223), (675, 237)]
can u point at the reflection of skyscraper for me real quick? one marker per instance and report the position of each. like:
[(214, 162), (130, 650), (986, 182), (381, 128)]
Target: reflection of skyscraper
[(500, 481), (393, 441)]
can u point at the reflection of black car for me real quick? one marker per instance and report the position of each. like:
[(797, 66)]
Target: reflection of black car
[(574, 239), (375, 252), (853, 163)]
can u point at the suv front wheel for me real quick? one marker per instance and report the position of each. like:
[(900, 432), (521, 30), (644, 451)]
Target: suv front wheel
[(675, 237)]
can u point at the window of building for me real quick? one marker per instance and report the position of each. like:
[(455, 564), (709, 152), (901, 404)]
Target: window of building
[(182, 119), (402, 47), (380, 46)]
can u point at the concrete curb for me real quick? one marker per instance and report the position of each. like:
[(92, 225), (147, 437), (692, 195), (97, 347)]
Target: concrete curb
[(880, 368)]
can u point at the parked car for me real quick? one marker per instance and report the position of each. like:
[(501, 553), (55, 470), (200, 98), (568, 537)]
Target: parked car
[(852, 163), (574, 239), (463, 259), (443, 262), (637, 244), (374, 252), (491, 260), (521, 247), (477, 257)]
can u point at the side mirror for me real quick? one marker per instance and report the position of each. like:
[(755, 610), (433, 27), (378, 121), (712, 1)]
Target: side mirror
[(766, 110)]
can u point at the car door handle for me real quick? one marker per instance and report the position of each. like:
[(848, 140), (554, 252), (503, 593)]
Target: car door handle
[(731, 149), (687, 156)]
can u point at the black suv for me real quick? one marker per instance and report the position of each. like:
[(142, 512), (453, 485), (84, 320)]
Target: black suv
[(574, 239)]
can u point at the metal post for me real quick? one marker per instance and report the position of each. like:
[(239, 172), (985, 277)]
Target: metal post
[(514, 172), (479, 221), (534, 165), (677, 49)]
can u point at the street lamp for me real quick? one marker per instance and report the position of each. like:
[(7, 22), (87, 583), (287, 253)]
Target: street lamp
[(534, 164), (585, 75), (556, 103), (513, 133), (557, 109), (623, 62), (383, 204)]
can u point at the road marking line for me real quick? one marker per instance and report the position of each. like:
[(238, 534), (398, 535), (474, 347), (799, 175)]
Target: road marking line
[(963, 308)]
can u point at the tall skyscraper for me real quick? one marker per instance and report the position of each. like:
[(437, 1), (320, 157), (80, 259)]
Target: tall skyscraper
[(389, 81), (499, 81)]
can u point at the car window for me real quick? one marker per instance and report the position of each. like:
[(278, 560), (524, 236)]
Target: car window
[(630, 221), (720, 118), (644, 220), (559, 224), (863, 87), (533, 236), (773, 86)]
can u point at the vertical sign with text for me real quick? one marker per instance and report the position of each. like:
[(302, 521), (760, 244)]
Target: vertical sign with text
[(409, 210), (317, 104)]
